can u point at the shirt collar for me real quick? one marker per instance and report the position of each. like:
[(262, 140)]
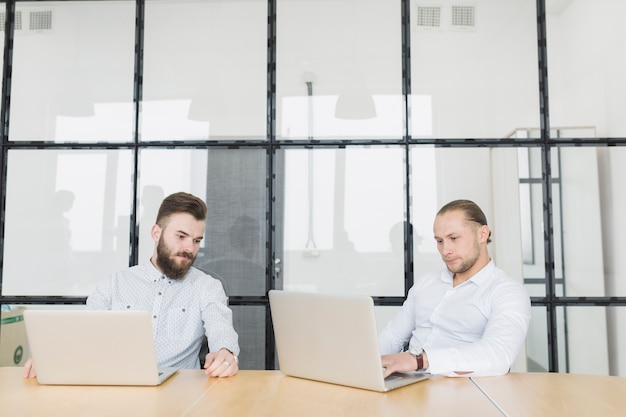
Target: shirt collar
[(152, 272), (481, 276), (478, 278)]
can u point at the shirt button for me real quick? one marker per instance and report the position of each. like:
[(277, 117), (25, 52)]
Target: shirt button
[(154, 317), (160, 293)]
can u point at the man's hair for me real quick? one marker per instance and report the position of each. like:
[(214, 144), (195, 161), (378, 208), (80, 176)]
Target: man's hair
[(181, 203), (472, 211)]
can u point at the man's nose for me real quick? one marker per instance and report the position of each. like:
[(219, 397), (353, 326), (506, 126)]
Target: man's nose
[(188, 245)]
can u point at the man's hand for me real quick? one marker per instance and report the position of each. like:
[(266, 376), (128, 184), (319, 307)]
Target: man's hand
[(221, 364), (29, 370), (401, 362)]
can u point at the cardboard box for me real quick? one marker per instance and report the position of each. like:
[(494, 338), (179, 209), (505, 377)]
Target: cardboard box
[(13, 341)]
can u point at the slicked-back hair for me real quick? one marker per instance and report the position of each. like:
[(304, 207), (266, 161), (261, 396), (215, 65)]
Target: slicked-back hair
[(181, 203), (473, 213)]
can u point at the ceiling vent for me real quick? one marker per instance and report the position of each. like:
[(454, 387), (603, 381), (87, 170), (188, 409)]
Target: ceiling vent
[(463, 17), (428, 17)]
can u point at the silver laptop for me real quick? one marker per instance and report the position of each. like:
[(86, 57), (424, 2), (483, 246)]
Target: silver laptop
[(87, 347), (331, 338)]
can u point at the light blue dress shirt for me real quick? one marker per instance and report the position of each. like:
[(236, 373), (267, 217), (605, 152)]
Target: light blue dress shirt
[(182, 311)]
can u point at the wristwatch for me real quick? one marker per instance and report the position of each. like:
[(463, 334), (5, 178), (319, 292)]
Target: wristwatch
[(418, 354)]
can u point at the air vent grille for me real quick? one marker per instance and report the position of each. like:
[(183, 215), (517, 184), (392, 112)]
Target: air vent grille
[(463, 17), (428, 16), (18, 20), (40, 20)]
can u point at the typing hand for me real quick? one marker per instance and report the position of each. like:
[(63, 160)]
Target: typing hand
[(398, 362), (29, 370), (221, 364)]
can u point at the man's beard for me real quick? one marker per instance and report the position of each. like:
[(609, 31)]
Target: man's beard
[(167, 263), (468, 263)]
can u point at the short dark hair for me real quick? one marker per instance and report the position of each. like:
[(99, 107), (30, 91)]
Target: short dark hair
[(181, 203), (473, 213)]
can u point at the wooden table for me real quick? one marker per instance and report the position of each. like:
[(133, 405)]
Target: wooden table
[(26, 397), (554, 394), (269, 393)]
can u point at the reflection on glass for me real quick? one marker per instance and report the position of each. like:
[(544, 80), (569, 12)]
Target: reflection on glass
[(75, 226), (577, 326), (232, 183), (612, 171), (587, 92), (537, 341), (586, 200), (84, 92), (588, 340), (344, 81), (341, 210), (205, 70)]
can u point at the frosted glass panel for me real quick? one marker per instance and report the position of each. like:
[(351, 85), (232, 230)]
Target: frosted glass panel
[(590, 93), (339, 69), (205, 70), (66, 220), (73, 69), (473, 68), (342, 208)]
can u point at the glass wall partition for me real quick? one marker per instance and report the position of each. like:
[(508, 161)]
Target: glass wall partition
[(473, 68), (339, 70), (324, 137), (204, 70), (586, 64), (72, 71)]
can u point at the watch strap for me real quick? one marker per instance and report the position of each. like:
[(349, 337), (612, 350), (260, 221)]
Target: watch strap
[(420, 361), (418, 354)]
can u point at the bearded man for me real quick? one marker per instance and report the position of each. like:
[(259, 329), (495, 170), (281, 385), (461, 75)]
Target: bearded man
[(185, 303)]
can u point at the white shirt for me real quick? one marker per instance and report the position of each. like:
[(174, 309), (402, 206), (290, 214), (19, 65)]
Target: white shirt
[(182, 311), (477, 326)]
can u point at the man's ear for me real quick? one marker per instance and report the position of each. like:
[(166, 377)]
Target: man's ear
[(484, 233), (156, 232)]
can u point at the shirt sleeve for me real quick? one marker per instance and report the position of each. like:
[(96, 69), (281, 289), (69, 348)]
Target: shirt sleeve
[(218, 319), (101, 297), (497, 349)]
